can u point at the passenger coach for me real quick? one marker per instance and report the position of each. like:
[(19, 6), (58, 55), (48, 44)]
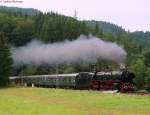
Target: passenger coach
[(74, 80)]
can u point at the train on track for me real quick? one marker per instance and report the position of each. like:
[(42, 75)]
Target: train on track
[(110, 80)]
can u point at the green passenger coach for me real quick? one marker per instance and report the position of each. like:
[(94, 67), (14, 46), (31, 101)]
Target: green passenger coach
[(74, 80)]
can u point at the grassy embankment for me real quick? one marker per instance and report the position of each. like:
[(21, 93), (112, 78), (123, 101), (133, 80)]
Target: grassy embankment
[(40, 101)]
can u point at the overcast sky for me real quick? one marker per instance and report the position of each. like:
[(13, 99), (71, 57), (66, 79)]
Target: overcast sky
[(130, 14)]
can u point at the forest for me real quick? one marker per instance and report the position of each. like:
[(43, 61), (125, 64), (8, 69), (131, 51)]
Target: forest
[(20, 26)]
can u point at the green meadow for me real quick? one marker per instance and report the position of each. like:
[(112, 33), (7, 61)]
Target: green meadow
[(45, 101)]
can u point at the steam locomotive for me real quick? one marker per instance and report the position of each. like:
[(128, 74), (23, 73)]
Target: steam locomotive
[(112, 80)]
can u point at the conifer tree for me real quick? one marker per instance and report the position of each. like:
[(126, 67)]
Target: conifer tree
[(5, 61)]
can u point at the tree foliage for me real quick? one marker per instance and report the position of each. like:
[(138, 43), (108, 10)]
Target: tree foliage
[(147, 57), (5, 61), (139, 69)]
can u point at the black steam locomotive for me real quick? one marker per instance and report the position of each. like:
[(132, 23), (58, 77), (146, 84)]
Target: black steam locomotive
[(114, 80), (119, 80)]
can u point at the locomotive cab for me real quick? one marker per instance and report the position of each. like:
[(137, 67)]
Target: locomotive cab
[(83, 80)]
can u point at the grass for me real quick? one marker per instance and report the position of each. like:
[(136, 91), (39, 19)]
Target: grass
[(40, 101)]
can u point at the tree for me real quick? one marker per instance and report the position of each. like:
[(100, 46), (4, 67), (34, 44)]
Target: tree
[(146, 55), (147, 80), (30, 70), (5, 61), (147, 58), (69, 69), (96, 29), (140, 71), (22, 34)]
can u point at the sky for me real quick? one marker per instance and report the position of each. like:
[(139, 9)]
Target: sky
[(130, 14)]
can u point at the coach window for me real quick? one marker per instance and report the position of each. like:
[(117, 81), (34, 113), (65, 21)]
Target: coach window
[(50, 79), (73, 80), (66, 79)]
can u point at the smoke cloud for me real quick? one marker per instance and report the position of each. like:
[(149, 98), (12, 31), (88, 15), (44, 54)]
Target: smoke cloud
[(84, 49)]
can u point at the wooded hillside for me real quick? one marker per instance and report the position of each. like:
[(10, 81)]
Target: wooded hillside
[(20, 26)]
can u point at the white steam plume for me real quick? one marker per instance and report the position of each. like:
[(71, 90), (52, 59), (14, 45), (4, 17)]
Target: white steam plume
[(85, 49)]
